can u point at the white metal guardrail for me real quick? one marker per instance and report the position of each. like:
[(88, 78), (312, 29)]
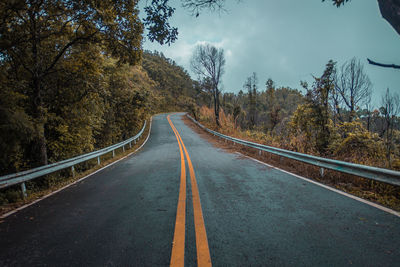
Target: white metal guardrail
[(22, 177), (377, 174)]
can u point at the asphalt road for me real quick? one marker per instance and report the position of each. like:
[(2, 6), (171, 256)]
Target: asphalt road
[(251, 214)]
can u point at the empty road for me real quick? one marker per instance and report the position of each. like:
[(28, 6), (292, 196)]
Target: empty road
[(180, 200)]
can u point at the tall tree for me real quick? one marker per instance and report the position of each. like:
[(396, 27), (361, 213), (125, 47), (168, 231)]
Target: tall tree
[(353, 85), (208, 63), (273, 108), (251, 86), (368, 109), (318, 102), (390, 109)]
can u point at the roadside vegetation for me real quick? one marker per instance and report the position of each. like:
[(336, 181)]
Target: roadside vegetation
[(331, 118), (74, 78), (316, 120), (80, 120)]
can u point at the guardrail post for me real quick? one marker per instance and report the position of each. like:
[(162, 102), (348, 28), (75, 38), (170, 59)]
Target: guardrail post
[(123, 148), (322, 172), (23, 188), (135, 141), (130, 144), (113, 153), (73, 171), (98, 160)]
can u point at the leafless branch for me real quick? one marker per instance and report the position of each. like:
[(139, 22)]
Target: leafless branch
[(383, 65)]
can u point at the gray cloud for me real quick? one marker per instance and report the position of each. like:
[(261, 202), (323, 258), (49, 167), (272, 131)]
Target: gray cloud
[(289, 41)]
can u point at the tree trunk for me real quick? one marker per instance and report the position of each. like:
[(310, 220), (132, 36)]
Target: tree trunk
[(216, 107), (40, 120), (43, 150), (37, 103)]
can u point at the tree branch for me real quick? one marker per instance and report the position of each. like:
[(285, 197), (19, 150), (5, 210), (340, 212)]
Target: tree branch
[(62, 51), (383, 65)]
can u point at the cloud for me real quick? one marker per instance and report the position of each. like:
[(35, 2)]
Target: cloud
[(288, 40)]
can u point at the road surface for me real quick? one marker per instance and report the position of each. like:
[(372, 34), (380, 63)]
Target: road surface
[(217, 208)]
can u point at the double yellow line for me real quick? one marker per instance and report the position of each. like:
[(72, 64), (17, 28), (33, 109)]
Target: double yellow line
[(178, 247)]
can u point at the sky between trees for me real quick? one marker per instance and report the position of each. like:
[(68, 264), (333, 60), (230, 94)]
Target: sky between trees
[(289, 41)]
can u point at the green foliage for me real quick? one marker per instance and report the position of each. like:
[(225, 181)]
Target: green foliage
[(171, 83), (91, 101), (352, 142), (251, 86), (263, 110), (158, 13), (318, 101), (16, 128), (49, 46), (302, 129)]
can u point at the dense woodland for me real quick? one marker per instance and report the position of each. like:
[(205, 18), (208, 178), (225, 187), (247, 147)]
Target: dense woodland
[(91, 108), (74, 78)]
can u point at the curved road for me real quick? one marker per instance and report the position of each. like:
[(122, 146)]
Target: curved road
[(217, 208)]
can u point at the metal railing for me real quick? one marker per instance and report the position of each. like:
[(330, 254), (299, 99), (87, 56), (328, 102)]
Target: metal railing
[(377, 174), (22, 177)]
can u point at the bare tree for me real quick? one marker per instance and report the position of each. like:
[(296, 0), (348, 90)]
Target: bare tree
[(196, 6), (336, 102), (353, 85), (208, 63), (390, 109), (394, 66), (368, 108)]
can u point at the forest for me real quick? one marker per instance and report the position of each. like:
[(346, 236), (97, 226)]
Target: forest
[(333, 117), (74, 78), (82, 115)]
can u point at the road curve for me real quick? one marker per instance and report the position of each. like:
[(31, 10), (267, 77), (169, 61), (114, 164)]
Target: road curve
[(253, 215)]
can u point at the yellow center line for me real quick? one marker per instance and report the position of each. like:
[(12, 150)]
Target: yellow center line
[(178, 245), (203, 252)]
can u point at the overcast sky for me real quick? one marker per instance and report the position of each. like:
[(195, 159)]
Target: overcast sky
[(289, 40)]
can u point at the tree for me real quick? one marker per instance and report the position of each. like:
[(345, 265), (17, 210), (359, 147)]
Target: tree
[(390, 109), (237, 110), (312, 118), (368, 109), (156, 22), (37, 35), (251, 86), (336, 103), (353, 85), (208, 63), (196, 6), (273, 107)]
